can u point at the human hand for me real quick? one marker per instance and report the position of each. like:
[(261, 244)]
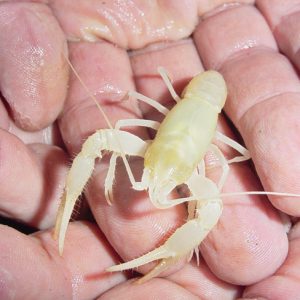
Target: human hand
[(255, 237)]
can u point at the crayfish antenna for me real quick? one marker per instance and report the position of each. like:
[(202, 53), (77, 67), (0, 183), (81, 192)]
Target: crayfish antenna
[(266, 193)]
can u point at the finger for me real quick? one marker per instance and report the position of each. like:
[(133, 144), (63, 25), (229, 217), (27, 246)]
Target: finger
[(148, 82), (284, 284), (240, 249), (131, 24), (34, 74), (208, 7), (49, 135), (4, 118), (249, 243), (31, 179), (202, 282), (263, 98), (156, 288), (285, 25), (76, 275), (106, 71)]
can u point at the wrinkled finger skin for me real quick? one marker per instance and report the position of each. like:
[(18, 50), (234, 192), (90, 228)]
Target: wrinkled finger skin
[(33, 82), (286, 279), (31, 267), (129, 24), (34, 73), (263, 103), (31, 177), (267, 82), (284, 23), (249, 246)]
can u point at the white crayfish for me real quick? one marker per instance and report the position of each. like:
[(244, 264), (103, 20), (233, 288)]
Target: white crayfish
[(174, 157)]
